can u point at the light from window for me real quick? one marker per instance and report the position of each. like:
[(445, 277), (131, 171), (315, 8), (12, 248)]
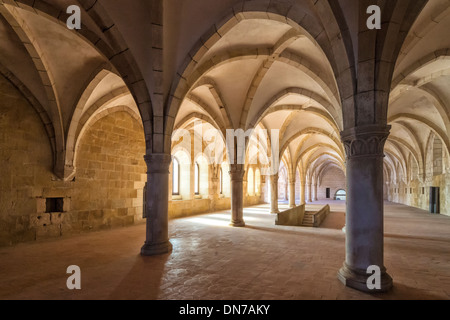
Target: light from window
[(341, 195), (257, 182), (221, 181), (197, 179), (250, 182), (175, 177)]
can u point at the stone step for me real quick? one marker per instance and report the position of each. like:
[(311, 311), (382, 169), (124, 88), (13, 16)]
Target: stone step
[(308, 220)]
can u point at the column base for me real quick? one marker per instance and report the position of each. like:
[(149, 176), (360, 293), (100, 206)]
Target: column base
[(275, 212), (237, 224), (358, 280), (154, 249)]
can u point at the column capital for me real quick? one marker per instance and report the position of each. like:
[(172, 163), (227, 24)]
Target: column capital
[(237, 172), (158, 162), (365, 141)]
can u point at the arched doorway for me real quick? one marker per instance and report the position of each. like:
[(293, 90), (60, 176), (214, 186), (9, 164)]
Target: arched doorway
[(341, 195)]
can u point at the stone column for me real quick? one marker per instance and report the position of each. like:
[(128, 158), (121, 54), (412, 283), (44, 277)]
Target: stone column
[(213, 187), (303, 193), (292, 193), (274, 194), (316, 196), (157, 205), (365, 207), (245, 191), (309, 192), (237, 195)]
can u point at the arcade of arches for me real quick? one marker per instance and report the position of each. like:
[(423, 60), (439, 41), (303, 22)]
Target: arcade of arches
[(361, 115)]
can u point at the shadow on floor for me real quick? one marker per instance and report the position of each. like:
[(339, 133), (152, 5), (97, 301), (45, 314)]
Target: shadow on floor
[(145, 275), (334, 221), (403, 292), (410, 237), (297, 231)]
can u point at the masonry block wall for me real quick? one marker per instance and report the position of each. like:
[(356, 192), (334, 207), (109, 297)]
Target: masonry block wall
[(111, 173), (283, 191), (334, 179), (417, 194), (26, 160), (106, 191)]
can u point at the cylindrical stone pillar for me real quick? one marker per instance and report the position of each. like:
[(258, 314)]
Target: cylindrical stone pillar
[(303, 193), (316, 196), (309, 192), (365, 207), (213, 193), (157, 205), (292, 194), (237, 195), (274, 194)]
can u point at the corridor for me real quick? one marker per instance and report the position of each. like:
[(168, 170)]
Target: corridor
[(211, 260)]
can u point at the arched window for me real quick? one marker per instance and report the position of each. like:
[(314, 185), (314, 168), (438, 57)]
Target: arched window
[(175, 177), (226, 190), (282, 183), (341, 195), (221, 181), (197, 179), (258, 182), (250, 182)]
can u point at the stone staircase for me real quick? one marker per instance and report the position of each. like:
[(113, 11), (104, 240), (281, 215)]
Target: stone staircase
[(315, 219), (298, 216), (308, 220)]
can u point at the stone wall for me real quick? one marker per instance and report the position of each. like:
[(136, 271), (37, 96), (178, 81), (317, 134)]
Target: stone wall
[(105, 193), (26, 161), (186, 208), (417, 194), (111, 173), (334, 179), (107, 190)]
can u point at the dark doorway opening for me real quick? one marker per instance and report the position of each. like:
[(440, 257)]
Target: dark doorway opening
[(435, 200), (328, 193)]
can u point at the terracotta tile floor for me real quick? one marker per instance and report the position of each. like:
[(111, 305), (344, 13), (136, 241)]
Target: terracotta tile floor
[(213, 261)]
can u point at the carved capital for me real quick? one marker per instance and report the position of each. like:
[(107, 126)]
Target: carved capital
[(158, 163), (365, 141), (237, 172)]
